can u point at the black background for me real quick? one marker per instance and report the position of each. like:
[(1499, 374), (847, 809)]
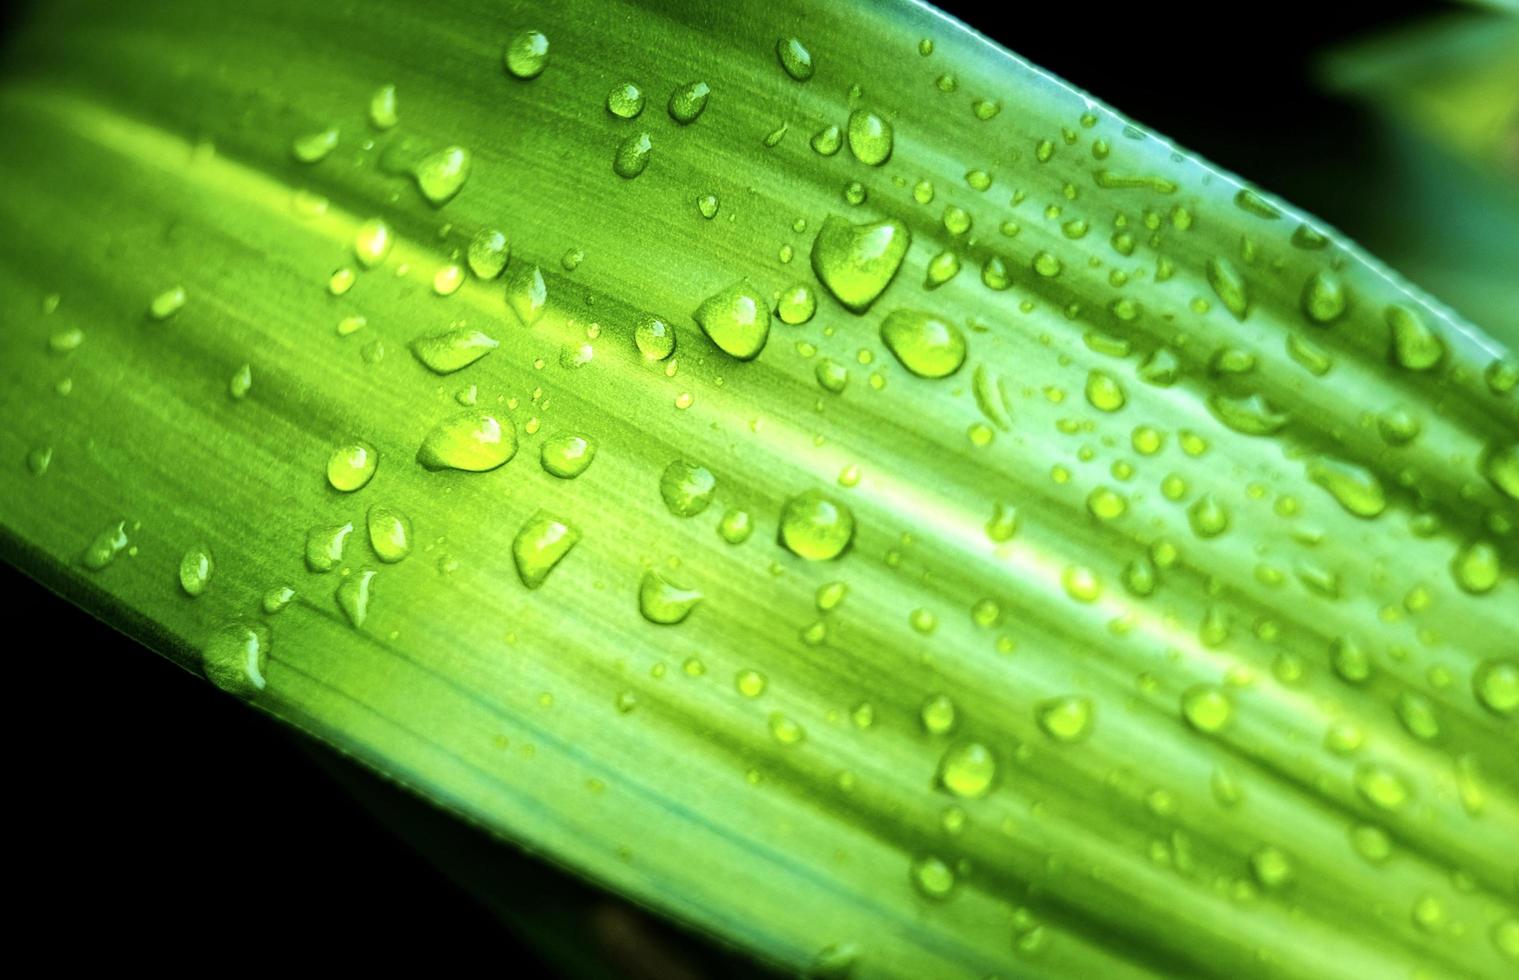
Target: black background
[(152, 816)]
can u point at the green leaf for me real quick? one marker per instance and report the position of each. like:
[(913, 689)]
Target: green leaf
[(1039, 554)]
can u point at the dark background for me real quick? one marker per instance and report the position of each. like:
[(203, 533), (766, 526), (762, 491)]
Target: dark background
[(157, 815)]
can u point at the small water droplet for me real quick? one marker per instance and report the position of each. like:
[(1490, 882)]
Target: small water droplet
[(1104, 392), (234, 657), (632, 156), (1270, 867), (827, 141), (382, 108), (797, 304), (441, 175), (567, 455), (105, 546), (324, 546), (195, 570), (795, 58), (1065, 719), (1208, 516), (472, 441), (686, 487), (870, 137), (688, 102), (1496, 685), (1356, 488), (352, 465), (389, 533), (663, 602), (933, 878), (373, 242), (1206, 708), (353, 594), (625, 100), (315, 147), (1414, 345), (968, 770), (489, 251), (277, 599), (1381, 786), (540, 545), (167, 303), (452, 350), (1229, 286)]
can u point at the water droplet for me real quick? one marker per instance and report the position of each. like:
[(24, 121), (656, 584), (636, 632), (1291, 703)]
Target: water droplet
[(1325, 298), (933, 878), (1381, 786), (736, 319), (277, 599), (1496, 684), (827, 141), (241, 382), (632, 156), (389, 533), (1417, 713), (1065, 719), (1349, 660), (686, 487), (1270, 867), (167, 303), (941, 269), (1106, 504), (1208, 516), (655, 338), (1476, 567), (1230, 287), (1081, 583), (473, 441), (1206, 708), (1506, 937), (315, 147), (441, 175), (663, 602), (735, 526), (795, 58), (567, 455), (64, 341), (1500, 464), (797, 304), (870, 138), (39, 459), (526, 293), (816, 527), (353, 596), (1414, 345), (195, 570), (234, 657), (750, 683), (784, 730), (452, 350), (352, 465), (324, 546), (968, 770), (1252, 415), (527, 54), (372, 242), (927, 345), (341, 281), (382, 108), (625, 101), (1103, 392), (858, 262), (540, 545), (1356, 488), (489, 252), (688, 102)]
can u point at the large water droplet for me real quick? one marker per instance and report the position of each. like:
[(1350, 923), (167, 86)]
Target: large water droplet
[(234, 657), (473, 441), (527, 54), (1252, 415), (858, 262), (816, 527), (489, 252), (737, 319), (663, 602), (795, 58), (452, 350), (654, 337), (927, 345), (540, 545), (632, 156)]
